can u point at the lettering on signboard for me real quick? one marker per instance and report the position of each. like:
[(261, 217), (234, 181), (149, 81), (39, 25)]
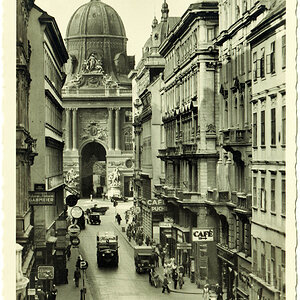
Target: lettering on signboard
[(41, 198), (204, 235)]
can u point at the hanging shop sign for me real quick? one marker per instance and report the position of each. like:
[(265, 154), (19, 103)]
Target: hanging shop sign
[(41, 198), (202, 234), (159, 208), (45, 272)]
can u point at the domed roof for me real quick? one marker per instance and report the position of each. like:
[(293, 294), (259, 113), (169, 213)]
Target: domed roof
[(95, 18)]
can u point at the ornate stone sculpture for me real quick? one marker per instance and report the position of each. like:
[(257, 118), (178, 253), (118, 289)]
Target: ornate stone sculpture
[(92, 64), (114, 178), (71, 177)]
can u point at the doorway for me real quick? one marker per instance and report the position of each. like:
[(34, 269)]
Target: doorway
[(91, 153)]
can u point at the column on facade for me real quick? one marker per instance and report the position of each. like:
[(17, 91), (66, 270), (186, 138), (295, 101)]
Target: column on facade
[(110, 124), (74, 128), (67, 129), (117, 129), (137, 151)]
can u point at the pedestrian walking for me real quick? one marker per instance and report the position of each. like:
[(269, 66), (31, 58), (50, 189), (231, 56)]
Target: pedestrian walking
[(162, 257), (180, 280), (165, 285), (41, 294), (147, 241), (68, 252), (206, 292), (181, 270), (119, 218), (78, 262), (156, 259), (219, 292), (53, 293), (175, 278), (77, 276)]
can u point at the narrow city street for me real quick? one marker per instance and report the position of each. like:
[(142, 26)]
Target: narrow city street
[(108, 282)]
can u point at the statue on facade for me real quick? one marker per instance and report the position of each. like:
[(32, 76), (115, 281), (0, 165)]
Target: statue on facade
[(92, 64), (71, 177), (114, 178)]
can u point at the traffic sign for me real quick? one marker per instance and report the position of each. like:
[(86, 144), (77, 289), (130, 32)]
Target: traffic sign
[(45, 272), (76, 212), (74, 230), (75, 241), (71, 200), (84, 265)]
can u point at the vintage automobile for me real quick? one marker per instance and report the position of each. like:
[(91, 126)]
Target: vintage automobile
[(143, 258), (107, 249), (94, 218)]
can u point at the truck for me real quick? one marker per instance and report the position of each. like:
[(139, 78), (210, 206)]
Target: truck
[(143, 258), (107, 249)]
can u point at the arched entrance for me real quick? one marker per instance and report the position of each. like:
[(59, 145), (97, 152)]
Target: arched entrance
[(93, 170)]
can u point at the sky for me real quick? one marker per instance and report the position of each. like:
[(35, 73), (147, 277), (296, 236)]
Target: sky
[(137, 16)]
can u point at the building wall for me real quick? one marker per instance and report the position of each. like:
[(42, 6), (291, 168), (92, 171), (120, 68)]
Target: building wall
[(268, 166)]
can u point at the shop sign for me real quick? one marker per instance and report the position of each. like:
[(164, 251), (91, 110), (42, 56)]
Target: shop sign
[(183, 246), (159, 208), (39, 187), (165, 225), (54, 181), (45, 272), (41, 198), (151, 202), (202, 235), (31, 292)]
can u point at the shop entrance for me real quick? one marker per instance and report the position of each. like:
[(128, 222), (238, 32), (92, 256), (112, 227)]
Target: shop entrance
[(93, 158)]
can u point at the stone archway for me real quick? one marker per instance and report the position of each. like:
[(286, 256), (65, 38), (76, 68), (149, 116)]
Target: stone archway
[(93, 158)]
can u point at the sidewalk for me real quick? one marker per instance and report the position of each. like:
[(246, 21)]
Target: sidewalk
[(188, 287), (69, 291)]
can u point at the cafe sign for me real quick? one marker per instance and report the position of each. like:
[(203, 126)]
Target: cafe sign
[(41, 198), (202, 234)]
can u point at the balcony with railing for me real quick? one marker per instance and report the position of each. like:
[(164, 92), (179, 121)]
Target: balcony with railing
[(189, 148), (237, 137), (244, 203)]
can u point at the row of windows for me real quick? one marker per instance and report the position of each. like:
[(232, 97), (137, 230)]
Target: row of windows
[(270, 265), (180, 93), (51, 72), (259, 193), (272, 125), (267, 63), (53, 115), (54, 161)]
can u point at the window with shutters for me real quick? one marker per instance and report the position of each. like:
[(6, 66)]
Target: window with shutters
[(254, 258), (283, 125), (283, 199), (273, 266), (254, 191), (273, 188), (283, 270), (273, 126), (262, 63), (263, 261), (262, 194), (254, 66), (262, 128), (273, 61), (254, 138), (283, 45)]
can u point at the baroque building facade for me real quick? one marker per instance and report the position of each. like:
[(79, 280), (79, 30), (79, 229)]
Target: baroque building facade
[(147, 125), (46, 68), (97, 102), (25, 152), (189, 148), (268, 50)]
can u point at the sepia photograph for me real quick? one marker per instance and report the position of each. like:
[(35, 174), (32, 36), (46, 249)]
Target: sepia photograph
[(154, 150)]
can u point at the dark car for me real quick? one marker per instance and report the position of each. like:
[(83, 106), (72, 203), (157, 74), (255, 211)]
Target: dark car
[(94, 218)]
